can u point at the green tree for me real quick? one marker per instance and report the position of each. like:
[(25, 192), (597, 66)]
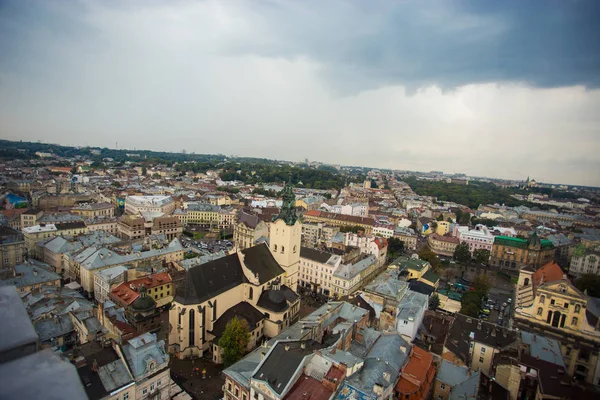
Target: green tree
[(234, 341), (440, 217), (470, 304), (395, 246), (144, 171), (116, 184), (426, 254), (434, 302), (353, 229), (462, 253), (481, 255), (481, 284), (74, 170), (589, 282)]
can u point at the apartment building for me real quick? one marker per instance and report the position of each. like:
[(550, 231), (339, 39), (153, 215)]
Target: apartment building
[(94, 210), (12, 247), (442, 245), (317, 269), (340, 220), (155, 204), (248, 230)]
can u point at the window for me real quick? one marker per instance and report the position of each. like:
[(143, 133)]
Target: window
[(542, 299), (158, 383), (244, 396), (483, 350), (144, 391), (282, 249), (229, 386), (539, 311), (237, 392), (152, 387), (566, 305), (442, 386), (250, 293), (481, 359), (577, 308), (552, 301), (274, 247), (126, 396), (574, 321)]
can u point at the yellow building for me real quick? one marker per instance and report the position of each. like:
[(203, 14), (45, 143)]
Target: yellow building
[(516, 253), (94, 210), (442, 245), (199, 214), (548, 304), (443, 227), (340, 220), (248, 230)]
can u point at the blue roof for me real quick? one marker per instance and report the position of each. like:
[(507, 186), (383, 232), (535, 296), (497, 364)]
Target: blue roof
[(543, 348), (467, 389), (452, 374)]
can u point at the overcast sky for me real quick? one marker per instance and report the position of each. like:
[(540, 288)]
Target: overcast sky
[(493, 88)]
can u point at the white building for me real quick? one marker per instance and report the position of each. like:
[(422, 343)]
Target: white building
[(368, 244), (386, 231), (411, 311), (105, 279), (587, 263), (148, 362), (317, 269), (478, 238), (158, 204), (356, 209)]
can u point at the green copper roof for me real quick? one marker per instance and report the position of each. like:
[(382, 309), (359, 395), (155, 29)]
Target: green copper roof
[(520, 243), (288, 206)]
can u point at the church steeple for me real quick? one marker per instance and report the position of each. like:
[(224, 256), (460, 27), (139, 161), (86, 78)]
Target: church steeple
[(288, 206)]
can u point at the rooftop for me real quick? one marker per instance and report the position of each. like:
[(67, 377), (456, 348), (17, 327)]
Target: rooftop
[(17, 328), (27, 275)]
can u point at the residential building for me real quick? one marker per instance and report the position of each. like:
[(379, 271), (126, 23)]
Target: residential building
[(478, 238), (348, 336), (203, 214), (84, 264), (563, 250), (442, 245), (12, 247), (29, 218), (105, 279), (408, 236), (94, 210), (585, 262), (411, 267), (170, 226), (131, 227), (106, 224), (285, 237), (514, 253), (53, 251), (35, 233), (548, 304), (475, 343), (316, 270), (348, 278), (248, 230), (27, 277), (356, 209), (314, 234), (384, 230), (148, 362), (340, 220), (417, 376), (442, 228), (208, 290), (449, 376), (158, 286), (368, 244), (156, 204), (72, 228)]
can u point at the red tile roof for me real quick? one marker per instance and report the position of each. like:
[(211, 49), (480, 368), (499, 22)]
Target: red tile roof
[(414, 373), (126, 292), (548, 273), (307, 388)]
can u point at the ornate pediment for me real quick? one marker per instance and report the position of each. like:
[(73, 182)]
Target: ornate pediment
[(563, 287)]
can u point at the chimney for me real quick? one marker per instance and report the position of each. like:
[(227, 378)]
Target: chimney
[(303, 345), (287, 347)]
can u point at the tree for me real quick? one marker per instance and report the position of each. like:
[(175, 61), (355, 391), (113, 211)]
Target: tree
[(589, 282), (74, 170), (426, 254), (481, 255), (395, 246), (115, 184), (234, 340), (440, 217), (481, 284), (470, 304), (434, 302), (144, 170), (462, 252)]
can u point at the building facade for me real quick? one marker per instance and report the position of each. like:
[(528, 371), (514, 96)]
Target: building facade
[(12, 247), (158, 204), (515, 253)]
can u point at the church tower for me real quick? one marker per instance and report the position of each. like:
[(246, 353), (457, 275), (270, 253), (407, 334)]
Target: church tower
[(285, 236)]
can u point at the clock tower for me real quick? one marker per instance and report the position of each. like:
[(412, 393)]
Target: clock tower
[(285, 236)]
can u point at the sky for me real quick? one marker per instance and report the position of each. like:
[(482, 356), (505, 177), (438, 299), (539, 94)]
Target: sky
[(504, 89)]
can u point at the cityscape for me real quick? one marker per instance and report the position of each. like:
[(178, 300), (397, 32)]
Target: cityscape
[(299, 200)]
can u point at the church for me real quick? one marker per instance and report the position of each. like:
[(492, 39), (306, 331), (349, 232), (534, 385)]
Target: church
[(550, 305), (257, 284)]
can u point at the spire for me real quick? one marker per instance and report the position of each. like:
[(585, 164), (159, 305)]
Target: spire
[(288, 206)]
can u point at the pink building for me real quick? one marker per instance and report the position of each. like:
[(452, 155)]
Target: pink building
[(478, 238)]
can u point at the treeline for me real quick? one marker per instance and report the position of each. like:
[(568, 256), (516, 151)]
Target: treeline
[(471, 195)]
